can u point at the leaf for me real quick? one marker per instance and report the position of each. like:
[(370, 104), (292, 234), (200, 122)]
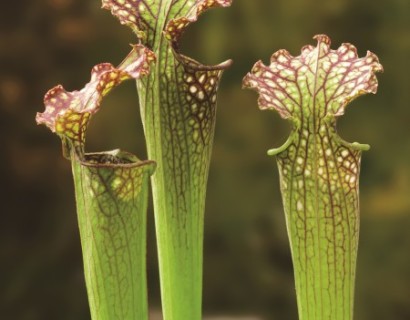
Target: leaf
[(68, 113), (111, 194), (178, 108), (319, 172), (320, 82), (149, 18), (178, 25)]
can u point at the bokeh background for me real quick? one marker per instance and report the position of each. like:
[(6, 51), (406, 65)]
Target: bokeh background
[(248, 267)]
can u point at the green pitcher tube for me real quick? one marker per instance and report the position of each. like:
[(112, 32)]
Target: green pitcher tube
[(112, 193)]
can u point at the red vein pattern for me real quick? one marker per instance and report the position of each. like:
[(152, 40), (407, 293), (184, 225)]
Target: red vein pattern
[(147, 17), (176, 27), (332, 77), (319, 172), (68, 113)]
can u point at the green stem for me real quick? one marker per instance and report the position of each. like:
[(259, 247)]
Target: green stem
[(111, 193)]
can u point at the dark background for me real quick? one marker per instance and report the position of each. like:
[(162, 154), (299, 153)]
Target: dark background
[(248, 268)]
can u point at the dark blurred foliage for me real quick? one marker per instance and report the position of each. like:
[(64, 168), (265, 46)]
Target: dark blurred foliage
[(247, 260)]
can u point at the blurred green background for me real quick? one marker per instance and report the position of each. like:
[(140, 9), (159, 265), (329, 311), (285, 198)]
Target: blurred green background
[(248, 268)]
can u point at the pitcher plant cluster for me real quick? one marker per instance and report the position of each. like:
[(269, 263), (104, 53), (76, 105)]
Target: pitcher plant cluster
[(319, 172)]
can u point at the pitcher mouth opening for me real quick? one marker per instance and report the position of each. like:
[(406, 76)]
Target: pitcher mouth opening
[(115, 158)]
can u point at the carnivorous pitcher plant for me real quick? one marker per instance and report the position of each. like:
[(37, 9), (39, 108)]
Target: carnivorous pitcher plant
[(178, 105), (319, 172), (111, 192)]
